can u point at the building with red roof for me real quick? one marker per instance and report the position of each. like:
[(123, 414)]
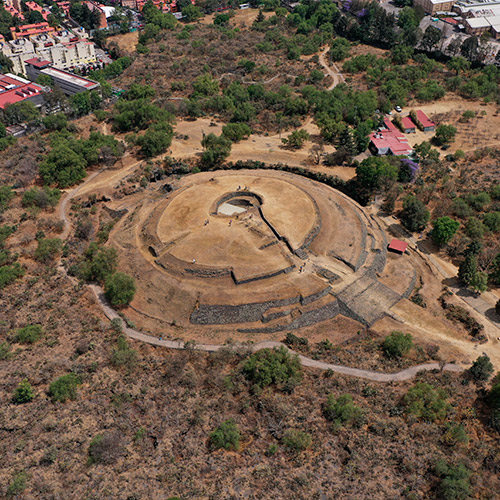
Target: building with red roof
[(30, 30), (389, 140), (34, 7), (428, 125), (408, 125), (15, 89), (397, 246)]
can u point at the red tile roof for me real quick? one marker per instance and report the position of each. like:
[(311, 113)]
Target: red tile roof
[(407, 122), (422, 118), (398, 245), (391, 138)]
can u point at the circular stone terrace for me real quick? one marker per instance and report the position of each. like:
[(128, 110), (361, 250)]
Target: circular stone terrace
[(255, 251)]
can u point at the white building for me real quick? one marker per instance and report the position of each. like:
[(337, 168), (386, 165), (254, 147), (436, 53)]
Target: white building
[(65, 50)]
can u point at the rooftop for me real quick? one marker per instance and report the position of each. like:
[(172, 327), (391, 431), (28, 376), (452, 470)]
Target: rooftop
[(477, 22), (14, 89), (398, 245), (424, 120), (407, 122), (70, 77)]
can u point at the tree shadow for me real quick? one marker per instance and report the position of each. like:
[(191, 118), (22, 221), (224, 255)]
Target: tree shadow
[(492, 315)]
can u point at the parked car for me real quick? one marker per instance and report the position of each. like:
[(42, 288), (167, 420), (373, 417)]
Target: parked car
[(398, 109)]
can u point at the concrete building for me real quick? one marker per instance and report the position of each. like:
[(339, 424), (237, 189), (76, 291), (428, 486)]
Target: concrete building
[(65, 50), (476, 25), (433, 6), (15, 89), (68, 82)]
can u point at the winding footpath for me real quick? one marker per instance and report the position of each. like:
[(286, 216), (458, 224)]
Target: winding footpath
[(179, 344), (337, 76)]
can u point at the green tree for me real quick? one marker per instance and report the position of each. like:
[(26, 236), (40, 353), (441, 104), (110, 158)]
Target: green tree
[(470, 49), (397, 344), (156, 140), (479, 282), (236, 131), (119, 289), (425, 402), (22, 112), (48, 250), (64, 388), (226, 435), (491, 220), (444, 135), (273, 367), (458, 64), (432, 36), (216, 149), (414, 215), (41, 198), (205, 85), (339, 49), (373, 172), (454, 481), (59, 121), (468, 268), (62, 167), (296, 139), (191, 13), (342, 411), (482, 369), (24, 393), (443, 230)]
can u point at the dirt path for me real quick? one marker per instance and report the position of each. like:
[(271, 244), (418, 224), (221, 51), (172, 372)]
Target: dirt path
[(345, 370), (335, 73)]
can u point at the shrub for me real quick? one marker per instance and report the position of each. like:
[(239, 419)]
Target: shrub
[(119, 289), (24, 393), (18, 484), (64, 388), (296, 440), (6, 195), (226, 436), (342, 410), (8, 274), (41, 198), (454, 481), (105, 448), (273, 367), (124, 355), (397, 344), (426, 403), (454, 434), (5, 350), (29, 334), (48, 250), (236, 131), (482, 369), (444, 135)]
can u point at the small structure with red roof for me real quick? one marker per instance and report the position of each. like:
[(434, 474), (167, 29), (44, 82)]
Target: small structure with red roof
[(30, 30), (397, 246), (408, 125), (428, 125)]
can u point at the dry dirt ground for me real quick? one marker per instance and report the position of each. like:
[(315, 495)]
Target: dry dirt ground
[(265, 148), (481, 131), (126, 42)]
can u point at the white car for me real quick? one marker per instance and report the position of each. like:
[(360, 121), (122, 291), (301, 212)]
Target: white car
[(398, 109)]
